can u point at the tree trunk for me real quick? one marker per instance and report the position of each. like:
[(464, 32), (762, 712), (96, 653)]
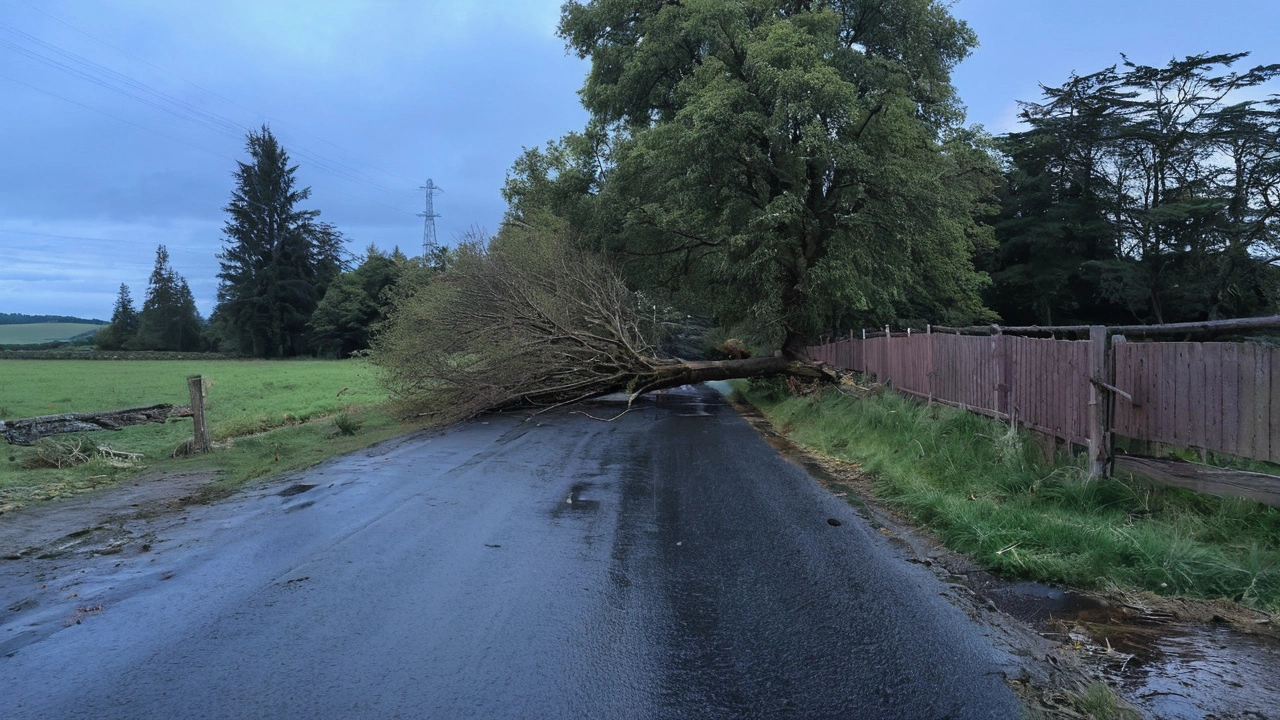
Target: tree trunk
[(688, 373), (26, 431)]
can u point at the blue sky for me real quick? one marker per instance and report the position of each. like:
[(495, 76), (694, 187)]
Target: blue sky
[(121, 122)]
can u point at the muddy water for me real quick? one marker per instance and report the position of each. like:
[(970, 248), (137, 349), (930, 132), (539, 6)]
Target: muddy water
[(1169, 670), (1197, 672)]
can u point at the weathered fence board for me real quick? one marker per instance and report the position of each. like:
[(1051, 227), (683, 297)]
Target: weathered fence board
[(1213, 397)]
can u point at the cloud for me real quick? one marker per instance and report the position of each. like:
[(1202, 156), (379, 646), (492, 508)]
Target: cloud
[(133, 118)]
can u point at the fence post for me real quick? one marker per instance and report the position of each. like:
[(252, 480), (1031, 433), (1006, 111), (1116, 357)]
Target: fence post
[(928, 370), (1098, 451), (998, 368), (195, 389), (888, 358)]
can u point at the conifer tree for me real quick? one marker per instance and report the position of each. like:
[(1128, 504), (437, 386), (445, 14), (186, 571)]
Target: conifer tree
[(169, 319), (277, 259), (123, 330)]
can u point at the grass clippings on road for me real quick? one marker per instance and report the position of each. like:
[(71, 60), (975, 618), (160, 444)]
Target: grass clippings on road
[(986, 491), (264, 417)]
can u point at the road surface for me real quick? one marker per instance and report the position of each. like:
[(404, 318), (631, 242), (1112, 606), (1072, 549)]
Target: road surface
[(668, 564)]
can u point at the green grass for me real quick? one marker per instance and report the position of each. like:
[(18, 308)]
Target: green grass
[(986, 491), (35, 333), (264, 416)]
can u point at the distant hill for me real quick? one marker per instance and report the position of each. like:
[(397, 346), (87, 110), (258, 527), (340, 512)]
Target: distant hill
[(20, 319), (43, 333)]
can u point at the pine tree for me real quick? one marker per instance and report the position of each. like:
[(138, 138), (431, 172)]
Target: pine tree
[(169, 319), (277, 260), (123, 330)]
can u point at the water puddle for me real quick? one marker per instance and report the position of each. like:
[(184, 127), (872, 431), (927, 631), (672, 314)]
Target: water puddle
[(682, 402), (296, 489), (1197, 672), (1167, 669), (575, 502)]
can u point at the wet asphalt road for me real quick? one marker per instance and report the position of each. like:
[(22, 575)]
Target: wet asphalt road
[(666, 565)]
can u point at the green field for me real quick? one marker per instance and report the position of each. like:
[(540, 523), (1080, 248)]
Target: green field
[(264, 416), (35, 333)]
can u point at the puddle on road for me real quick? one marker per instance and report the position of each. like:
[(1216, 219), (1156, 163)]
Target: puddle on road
[(1167, 669), (683, 403), (575, 502), (296, 489), (1206, 672)]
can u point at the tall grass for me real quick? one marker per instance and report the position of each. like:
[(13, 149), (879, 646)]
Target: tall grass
[(986, 490)]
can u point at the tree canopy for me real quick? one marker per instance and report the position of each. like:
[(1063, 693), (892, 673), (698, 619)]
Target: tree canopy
[(531, 319), (355, 302), (791, 166), (1143, 193), (168, 320), (123, 329)]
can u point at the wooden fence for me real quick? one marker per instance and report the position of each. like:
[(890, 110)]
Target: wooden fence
[(1219, 397), (1215, 397)]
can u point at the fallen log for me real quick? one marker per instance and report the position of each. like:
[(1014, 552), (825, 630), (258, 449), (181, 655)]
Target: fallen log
[(27, 430)]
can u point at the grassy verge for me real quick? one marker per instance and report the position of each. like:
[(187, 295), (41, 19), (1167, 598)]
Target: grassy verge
[(985, 491), (264, 417)]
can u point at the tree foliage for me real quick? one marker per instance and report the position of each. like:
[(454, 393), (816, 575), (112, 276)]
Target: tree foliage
[(277, 260), (169, 319), (355, 302), (1148, 193), (795, 166), (529, 319), (122, 332)]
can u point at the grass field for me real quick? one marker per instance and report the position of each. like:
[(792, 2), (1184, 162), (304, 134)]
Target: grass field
[(265, 416), (35, 333), (985, 491)]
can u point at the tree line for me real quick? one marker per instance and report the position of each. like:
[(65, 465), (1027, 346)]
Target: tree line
[(286, 285), (1142, 194), (796, 169)]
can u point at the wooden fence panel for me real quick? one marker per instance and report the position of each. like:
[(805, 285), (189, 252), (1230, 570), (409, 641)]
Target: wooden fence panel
[(1217, 397), (1263, 410), (1274, 405)]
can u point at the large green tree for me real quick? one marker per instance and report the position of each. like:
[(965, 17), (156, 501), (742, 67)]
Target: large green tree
[(1140, 192), (790, 166), (355, 302), (169, 319), (277, 260)]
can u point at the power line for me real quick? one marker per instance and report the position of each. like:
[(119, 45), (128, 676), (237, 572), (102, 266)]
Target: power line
[(110, 79), (203, 89)]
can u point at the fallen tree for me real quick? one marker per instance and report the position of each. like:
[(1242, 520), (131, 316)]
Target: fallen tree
[(27, 430), (528, 319)]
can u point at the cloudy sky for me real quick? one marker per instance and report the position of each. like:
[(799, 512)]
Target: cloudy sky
[(121, 120)]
